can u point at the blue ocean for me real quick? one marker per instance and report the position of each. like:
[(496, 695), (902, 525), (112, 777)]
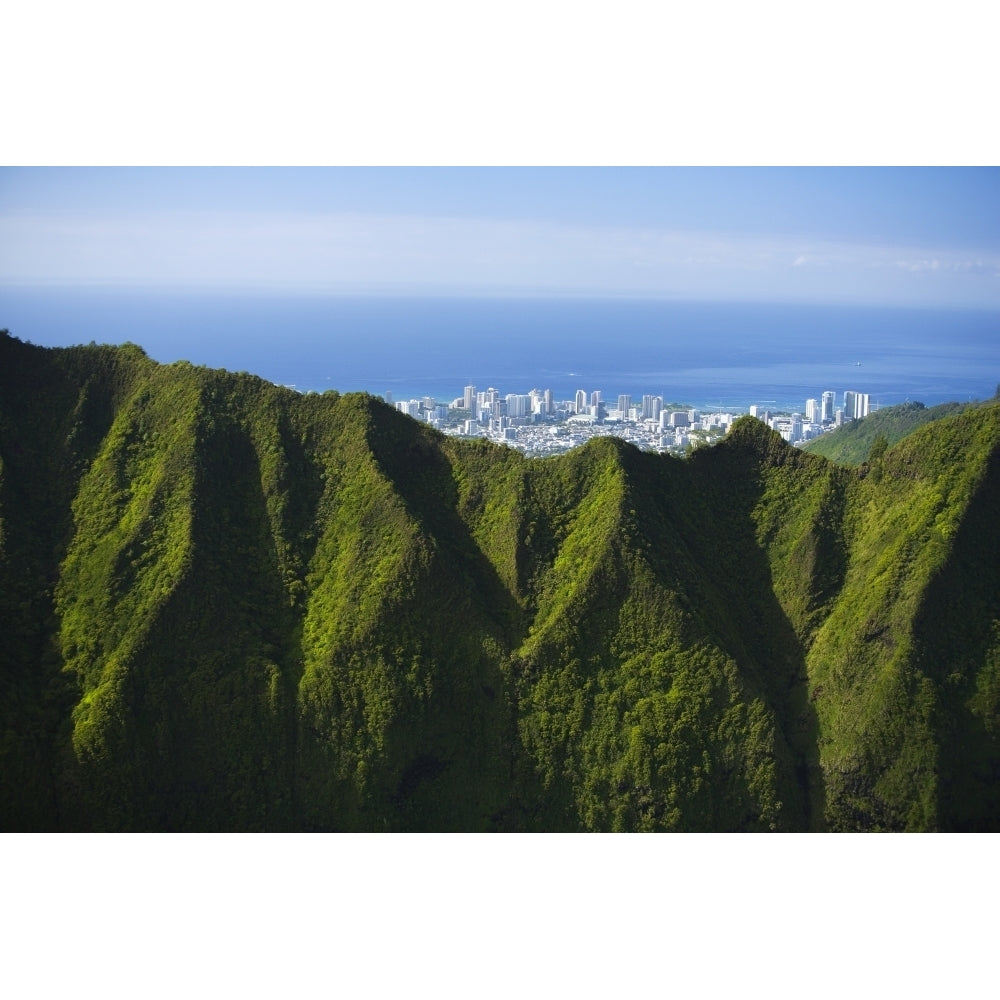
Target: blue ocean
[(725, 356)]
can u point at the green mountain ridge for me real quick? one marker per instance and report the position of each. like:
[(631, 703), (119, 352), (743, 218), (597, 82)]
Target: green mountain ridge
[(853, 443), (228, 606)]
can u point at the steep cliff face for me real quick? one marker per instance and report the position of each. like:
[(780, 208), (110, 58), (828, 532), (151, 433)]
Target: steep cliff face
[(228, 606)]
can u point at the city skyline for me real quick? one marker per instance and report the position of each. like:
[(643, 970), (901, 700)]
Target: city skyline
[(538, 424), (590, 397)]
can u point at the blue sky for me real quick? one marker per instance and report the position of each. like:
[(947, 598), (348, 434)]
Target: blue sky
[(894, 236)]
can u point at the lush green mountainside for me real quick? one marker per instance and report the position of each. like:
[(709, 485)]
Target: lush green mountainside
[(228, 606), (852, 444)]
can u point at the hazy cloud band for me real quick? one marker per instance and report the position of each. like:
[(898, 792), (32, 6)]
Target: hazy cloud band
[(344, 253)]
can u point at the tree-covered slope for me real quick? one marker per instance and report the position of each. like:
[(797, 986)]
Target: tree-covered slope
[(229, 606), (852, 443)]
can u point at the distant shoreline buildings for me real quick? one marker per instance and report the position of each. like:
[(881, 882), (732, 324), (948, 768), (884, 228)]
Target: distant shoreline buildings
[(538, 424)]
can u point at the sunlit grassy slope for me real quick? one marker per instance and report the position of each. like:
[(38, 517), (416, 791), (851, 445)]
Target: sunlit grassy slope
[(227, 606), (852, 443)]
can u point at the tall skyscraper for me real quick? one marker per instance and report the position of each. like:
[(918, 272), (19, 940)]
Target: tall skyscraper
[(518, 404), (856, 405), (581, 401), (813, 412), (470, 397), (829, 408), (624, 405)]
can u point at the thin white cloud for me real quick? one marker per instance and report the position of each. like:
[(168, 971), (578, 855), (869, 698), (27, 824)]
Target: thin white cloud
[(369, 252)]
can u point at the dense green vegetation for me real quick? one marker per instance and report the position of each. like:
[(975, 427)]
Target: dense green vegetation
[(227, 606), (852, 443)]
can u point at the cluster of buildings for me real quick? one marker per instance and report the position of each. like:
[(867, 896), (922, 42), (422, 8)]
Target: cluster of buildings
[(822, 411), (821, 415), (538, 424)]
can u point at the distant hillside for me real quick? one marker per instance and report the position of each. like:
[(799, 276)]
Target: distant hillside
[(852, 443), (227, 606)]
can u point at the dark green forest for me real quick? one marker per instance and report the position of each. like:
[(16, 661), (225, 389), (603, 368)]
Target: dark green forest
[(229, 606)]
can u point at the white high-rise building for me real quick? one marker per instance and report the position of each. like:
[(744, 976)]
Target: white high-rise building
[(470, 397), (828, 412), (856, 405), (624, 405), (581, 401), (813, 411), (487, 400), (518, 405), (651, 407)]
